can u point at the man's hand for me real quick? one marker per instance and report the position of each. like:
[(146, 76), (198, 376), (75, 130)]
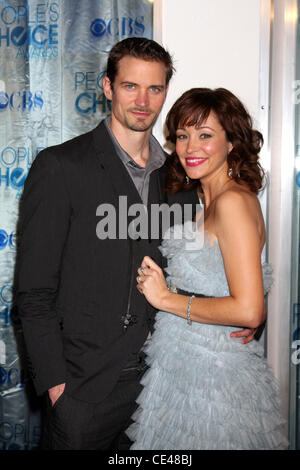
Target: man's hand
[(56, 392), (247, 333)]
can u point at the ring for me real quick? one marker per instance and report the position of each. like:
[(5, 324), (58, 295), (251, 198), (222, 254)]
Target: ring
[(142, 270)]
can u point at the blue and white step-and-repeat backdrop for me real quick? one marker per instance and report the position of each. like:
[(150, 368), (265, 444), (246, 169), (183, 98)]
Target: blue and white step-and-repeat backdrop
[(52, 59)]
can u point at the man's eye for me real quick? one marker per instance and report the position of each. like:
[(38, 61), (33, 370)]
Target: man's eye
[(155, 89), (129, 86)]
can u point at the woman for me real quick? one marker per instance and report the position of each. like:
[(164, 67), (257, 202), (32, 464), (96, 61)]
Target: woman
[(204, 389)]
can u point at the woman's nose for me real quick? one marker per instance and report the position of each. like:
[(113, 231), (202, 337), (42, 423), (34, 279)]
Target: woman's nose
[(193, 146)]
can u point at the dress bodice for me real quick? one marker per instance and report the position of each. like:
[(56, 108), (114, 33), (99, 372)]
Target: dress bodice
[(196, 265)]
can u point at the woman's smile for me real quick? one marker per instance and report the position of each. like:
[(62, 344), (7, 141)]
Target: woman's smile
[(190, 161)]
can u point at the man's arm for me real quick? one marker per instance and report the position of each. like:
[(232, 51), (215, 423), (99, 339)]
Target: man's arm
[(43, 228)]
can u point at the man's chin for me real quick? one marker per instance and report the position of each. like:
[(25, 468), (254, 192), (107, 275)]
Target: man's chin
[(141, 126)]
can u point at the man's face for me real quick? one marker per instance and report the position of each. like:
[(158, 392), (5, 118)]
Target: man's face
[(138, 93)]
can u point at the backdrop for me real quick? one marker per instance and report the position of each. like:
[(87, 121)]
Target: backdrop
[(52, 59)]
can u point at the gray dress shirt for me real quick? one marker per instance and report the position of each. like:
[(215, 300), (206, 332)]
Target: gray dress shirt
[(139, 175)]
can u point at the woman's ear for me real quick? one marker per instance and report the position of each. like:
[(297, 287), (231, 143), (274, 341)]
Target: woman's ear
[(230, 147)]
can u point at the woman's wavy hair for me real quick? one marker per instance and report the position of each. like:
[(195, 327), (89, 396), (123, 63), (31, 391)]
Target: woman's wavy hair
[(192, 109)]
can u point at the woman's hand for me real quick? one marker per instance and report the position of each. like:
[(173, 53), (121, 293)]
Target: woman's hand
[(152, 283)]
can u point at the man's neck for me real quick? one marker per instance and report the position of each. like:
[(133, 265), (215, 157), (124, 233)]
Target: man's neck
[(136, 144)]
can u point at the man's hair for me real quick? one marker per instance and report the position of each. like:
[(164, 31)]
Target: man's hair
[(140, 48)]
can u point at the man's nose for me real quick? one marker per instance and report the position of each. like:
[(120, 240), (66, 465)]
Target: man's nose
[(142, 98)]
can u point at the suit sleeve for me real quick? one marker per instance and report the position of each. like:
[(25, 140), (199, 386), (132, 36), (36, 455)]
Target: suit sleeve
[(43, 228)]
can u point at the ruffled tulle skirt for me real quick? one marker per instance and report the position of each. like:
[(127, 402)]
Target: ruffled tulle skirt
[(205, 390)]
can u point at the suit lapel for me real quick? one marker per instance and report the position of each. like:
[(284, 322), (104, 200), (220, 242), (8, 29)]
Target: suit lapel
[(162, 177), (155, 194), (110, 162)]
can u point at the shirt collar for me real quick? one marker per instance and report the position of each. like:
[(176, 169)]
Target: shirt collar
[(156, 158)]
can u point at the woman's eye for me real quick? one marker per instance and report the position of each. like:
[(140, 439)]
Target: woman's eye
[(180, 137), (205, 136)]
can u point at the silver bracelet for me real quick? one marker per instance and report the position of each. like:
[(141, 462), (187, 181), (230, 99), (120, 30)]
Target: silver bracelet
[(188, 312)]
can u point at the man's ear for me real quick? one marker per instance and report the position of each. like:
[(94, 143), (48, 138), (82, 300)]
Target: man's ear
[(107, 88)]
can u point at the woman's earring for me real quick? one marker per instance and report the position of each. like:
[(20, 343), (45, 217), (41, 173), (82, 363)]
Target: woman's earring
[(230, 172), (187, 179)]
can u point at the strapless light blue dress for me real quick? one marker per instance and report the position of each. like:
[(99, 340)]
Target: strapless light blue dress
[(204, 390)]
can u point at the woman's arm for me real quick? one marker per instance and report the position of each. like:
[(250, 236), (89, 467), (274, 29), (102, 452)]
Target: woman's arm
[(239, 241)]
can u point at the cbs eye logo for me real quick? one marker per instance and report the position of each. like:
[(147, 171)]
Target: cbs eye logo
[(117, 27), (7, 240), (98, 27)]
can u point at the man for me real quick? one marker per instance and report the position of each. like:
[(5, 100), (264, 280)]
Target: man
[(83, 319)]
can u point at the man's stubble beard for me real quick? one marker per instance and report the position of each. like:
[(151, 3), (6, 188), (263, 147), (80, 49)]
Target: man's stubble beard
[(140, 127)]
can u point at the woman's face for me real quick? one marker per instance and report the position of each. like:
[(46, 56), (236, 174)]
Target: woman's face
[(203, 150)]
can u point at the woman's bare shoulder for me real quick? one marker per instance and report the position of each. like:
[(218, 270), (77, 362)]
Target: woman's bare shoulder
[(237, 198), (239, 206)]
